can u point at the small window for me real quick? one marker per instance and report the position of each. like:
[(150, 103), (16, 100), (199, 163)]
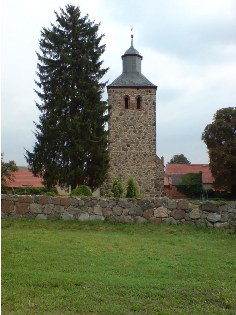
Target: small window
[(126, 102), (138, 102)]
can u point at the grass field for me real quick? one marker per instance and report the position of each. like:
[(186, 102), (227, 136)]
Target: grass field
[(59, 267)]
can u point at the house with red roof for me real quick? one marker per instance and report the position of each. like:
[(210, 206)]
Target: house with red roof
[(175, 172), (24, 178)]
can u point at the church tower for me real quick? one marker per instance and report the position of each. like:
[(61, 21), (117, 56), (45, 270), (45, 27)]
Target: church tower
[(132, 128)]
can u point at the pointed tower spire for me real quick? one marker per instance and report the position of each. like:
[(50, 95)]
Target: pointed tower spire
[(132, 36), (131, 70)]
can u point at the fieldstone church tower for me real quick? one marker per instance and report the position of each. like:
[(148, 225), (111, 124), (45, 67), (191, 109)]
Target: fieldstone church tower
[(132, 128)]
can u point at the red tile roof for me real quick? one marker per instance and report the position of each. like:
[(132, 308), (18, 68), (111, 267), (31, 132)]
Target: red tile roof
[(24, 178), (207, 177)]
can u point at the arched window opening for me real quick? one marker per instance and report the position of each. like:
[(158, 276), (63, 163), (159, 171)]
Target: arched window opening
[(138, 102), (126, 102)]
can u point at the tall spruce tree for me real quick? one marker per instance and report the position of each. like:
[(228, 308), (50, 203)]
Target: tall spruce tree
[(71, 140)]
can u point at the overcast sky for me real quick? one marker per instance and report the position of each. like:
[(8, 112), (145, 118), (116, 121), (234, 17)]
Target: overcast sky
[(188, 49)]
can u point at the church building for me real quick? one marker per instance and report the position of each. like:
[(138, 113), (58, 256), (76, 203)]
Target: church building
[(132, 128)]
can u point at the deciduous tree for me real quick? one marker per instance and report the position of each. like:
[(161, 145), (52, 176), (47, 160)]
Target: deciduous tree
[(7, 170), (179, 159), (71, 140), (220, 138)]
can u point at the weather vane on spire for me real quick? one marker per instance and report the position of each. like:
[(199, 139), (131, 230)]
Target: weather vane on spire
[(132, 36)]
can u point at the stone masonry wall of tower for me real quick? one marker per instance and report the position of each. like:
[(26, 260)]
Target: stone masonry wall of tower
[(132, 129), (132, 140)]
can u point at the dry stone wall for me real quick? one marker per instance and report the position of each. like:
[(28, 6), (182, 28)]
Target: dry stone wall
[(132, 140), (155, 210)]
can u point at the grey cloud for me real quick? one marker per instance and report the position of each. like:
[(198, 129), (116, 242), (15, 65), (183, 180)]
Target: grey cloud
[(168, 27), (200, 43)]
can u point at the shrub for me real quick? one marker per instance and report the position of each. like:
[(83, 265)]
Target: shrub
[(132, 189), (34, 191), (110, 194), (117, 188), (51, 193), (191, 185), (3, 190), (216, 195), (82, 190)]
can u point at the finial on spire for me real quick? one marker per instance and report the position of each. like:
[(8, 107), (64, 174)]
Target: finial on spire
[(132, 36)]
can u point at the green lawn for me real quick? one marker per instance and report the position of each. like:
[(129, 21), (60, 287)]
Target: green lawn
[(61, 267)]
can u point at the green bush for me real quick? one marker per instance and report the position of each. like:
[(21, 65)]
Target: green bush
[(216, 195), (132, 189), (3, 190), (110, 194), (191, 185), (34, 191), (51, 193), (117, 188), (82, 190)]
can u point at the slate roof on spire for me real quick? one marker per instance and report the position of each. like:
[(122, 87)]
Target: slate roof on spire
[(131, 79), (131, 51), (131, 76)]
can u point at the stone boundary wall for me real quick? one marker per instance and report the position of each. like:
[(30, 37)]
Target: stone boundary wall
[(156, 210)]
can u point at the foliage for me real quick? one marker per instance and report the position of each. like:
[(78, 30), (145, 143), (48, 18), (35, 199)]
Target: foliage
[(179, 159), (109, 194), (71, 140), (71, 267), (191, 184), (117, 188), (82, 190), (4, 190), (213, 194), (35, 191), (7, 170), (132, 189), (220, 138), (51, 193)]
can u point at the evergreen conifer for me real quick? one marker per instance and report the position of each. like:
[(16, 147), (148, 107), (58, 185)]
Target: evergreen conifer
[(71, 140)]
